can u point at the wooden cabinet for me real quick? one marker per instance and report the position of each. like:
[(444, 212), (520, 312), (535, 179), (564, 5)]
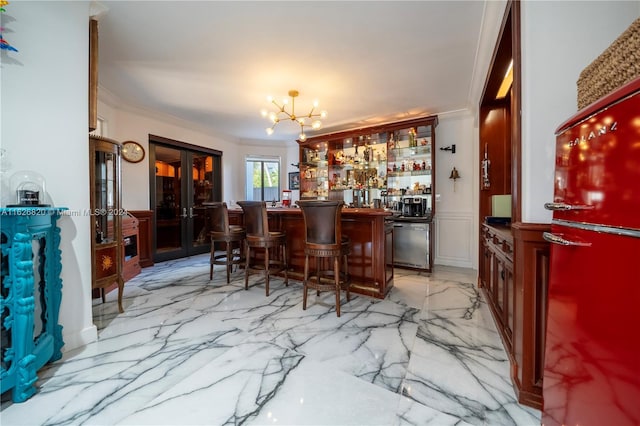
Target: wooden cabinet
[(515, 289), (370, 261), (130, 245), (107, 213), (410, 172), (145, 236), (513, 264), (390, 165), (386, 162), (496, 272)]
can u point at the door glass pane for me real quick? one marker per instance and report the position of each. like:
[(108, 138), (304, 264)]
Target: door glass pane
[(169, 211), (202, 176)]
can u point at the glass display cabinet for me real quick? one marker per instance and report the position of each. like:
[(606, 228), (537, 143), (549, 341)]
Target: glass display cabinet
[(314, 182), (387, 162), (357, 169), (106, 216), (390, 165), (410, 173)]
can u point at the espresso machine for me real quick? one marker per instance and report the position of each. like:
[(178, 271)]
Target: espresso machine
[(412, 207)]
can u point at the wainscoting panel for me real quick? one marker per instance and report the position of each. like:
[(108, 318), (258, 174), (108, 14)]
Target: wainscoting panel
[(454, 239)]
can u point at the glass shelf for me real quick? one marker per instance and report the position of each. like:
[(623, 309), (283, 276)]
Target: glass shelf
[(364, 159), (409, 173)]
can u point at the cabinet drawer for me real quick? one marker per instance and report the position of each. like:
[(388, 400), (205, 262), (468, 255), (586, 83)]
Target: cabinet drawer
[(129, 224)]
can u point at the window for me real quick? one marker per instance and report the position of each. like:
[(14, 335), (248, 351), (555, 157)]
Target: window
[(263, 179)]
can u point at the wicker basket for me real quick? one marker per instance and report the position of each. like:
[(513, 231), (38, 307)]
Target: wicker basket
[(617, 65)]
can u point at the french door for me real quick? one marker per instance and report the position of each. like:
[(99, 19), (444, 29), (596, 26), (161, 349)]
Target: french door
[(182, 178)]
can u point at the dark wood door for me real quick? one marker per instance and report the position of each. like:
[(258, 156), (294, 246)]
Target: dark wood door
[(182, 180)]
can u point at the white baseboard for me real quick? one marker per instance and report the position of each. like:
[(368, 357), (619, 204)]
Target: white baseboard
[(80, 338)]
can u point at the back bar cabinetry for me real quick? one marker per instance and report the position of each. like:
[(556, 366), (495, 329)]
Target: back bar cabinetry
[(497, 278), (384, 162), (391, 166)]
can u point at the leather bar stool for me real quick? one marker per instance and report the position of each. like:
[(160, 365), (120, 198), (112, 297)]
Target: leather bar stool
[(231, 236), (324, 241), (260, 239)]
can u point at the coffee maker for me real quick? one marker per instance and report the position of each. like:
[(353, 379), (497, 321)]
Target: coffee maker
[(412, 207)]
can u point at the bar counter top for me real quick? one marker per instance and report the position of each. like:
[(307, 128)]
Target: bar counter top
[(345, 211), (371, 259)]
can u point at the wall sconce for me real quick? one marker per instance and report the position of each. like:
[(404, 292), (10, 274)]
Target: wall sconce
[(451, 148), (455, 176)]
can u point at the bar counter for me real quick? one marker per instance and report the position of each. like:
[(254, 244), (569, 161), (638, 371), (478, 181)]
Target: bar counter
[(371, 259)]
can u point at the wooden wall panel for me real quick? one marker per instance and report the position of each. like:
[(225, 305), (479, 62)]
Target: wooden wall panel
[(145, 236), (495, 138)]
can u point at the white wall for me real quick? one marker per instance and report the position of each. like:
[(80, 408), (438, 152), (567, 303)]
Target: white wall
[(455, 227), (559, 39), (45, 129)]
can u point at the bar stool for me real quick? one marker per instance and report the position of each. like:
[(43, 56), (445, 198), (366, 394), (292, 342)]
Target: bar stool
[(221, 232), (324, 240), (260, 239)]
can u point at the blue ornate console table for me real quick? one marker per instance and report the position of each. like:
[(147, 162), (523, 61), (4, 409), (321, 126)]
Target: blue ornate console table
[(24, 349)]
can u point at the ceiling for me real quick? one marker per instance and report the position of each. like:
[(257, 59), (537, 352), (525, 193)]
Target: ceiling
[(213, 63)]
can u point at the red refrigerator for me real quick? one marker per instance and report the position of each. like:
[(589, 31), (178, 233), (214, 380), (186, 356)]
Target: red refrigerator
[(592, 358)]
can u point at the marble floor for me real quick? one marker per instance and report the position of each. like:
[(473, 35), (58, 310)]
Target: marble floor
[(192, 351)]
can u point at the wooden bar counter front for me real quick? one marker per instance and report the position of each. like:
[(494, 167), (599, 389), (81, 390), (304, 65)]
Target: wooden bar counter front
[(371, 258)]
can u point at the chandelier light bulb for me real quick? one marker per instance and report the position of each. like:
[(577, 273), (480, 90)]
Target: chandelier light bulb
[(285, 101), (316, 125), (302, 136), (269, 130), (269, 98), (264, 112), (316, 103), (301, 121), (323, 114)]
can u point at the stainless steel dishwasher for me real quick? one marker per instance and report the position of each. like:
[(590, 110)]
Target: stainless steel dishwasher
[(411, 244)]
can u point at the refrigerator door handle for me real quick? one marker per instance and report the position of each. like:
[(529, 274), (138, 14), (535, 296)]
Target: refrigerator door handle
[(556, 239), (564, 207)]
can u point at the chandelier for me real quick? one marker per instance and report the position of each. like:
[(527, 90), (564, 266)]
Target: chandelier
[(283, 114)]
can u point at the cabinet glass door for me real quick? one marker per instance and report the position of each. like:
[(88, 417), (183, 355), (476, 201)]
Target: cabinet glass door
[(105, 196), (410, 169), (314, 181), (357, 169), (106, 244)]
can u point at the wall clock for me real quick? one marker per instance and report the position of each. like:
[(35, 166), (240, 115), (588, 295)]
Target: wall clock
[(132, 152)]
